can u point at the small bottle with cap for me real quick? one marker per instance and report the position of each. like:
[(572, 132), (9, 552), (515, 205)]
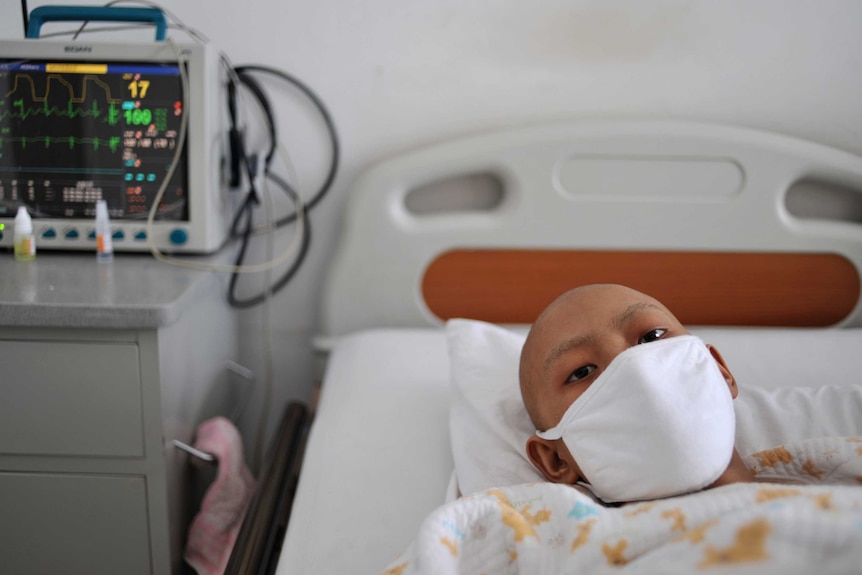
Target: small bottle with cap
[(25, 241), (104, 242)]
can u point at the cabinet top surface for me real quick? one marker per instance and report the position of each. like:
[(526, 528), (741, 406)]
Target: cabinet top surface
[(74, 290)]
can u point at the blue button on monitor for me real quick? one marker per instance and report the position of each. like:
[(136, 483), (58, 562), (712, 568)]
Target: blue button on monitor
[(179, 236), (118, 235), (49, 233), (71, 234), (141, 236), (92, 235)]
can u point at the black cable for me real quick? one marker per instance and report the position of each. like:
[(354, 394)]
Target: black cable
[(289, 273), (238, 150), (327, 119), (247, 205), (235, 141), (258, 92), (25, 14)]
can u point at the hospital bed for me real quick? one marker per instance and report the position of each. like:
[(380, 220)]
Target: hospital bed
[(754, 240)]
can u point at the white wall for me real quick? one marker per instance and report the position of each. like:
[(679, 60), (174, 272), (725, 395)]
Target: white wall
[(401, 73)]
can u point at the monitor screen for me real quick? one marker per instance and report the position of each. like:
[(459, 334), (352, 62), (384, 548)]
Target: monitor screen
[(73, 132)]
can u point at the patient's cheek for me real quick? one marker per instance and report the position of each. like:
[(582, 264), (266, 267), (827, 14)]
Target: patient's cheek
[(561, 406), (555, 412)]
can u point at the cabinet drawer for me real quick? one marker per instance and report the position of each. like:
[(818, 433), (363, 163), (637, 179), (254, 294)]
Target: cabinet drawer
[(87, 524), (70, 398)]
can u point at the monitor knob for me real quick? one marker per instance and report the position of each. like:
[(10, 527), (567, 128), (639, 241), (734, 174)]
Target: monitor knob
[(179, 236)]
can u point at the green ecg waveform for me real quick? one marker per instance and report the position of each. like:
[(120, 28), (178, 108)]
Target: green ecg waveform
[(112, 143), (22, 111)]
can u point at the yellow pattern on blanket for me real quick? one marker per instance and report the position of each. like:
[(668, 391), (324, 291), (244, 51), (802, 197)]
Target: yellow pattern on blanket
[(814, 525)]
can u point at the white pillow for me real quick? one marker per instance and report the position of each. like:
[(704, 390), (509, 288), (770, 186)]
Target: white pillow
[(794, 384), (488, 423)]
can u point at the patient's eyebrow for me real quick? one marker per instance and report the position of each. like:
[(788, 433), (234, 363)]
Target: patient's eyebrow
[(580, 340), (565, 347), (632, 310)]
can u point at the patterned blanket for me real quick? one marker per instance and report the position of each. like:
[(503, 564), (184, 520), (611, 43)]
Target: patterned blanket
[(811, 522)]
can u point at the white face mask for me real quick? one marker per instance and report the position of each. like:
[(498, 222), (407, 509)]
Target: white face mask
[(657, 422)]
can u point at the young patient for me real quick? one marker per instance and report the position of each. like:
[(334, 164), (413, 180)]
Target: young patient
[(626, 401)]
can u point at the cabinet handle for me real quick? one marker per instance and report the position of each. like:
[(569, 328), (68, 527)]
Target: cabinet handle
[(202, 455)]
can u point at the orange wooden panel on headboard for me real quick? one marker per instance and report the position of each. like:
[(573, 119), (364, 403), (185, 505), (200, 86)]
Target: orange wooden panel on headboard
[(700, 288)]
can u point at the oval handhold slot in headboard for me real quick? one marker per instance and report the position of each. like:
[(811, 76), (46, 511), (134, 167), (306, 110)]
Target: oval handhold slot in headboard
[(701, 288)]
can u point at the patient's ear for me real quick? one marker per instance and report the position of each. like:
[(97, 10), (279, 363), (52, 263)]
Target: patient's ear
[(554, 465), (725, 371)]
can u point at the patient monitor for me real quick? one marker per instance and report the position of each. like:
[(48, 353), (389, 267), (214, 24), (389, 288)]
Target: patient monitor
[(82, 122)]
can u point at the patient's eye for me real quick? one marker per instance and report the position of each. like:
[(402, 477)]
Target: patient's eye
[(652, 335), (581, 373)]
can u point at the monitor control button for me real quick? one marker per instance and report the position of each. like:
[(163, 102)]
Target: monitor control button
[(71, 234), (49, 233), (118, 235), (141, 236), (179, 236)]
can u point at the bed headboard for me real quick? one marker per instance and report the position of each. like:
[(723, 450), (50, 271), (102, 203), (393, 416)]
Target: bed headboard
[(696, 215)]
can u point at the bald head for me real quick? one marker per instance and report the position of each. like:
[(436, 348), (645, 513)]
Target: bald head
[(578, 335)]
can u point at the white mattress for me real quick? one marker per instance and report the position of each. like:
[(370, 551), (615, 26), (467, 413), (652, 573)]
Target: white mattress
[(378, 458)]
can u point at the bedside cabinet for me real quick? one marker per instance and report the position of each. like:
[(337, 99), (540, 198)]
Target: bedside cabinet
[(103, 365)]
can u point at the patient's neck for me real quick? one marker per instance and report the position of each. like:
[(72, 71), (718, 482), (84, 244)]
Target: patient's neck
[(736, 472)]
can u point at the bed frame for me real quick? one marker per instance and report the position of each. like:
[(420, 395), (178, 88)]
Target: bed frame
[(494, 226), (601, 201), (258, 543)]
